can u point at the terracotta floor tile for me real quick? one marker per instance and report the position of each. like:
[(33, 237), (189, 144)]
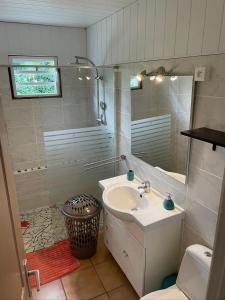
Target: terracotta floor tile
[(125, 292), (84, 263), (82, 285), (102, 297), (50, 291), (102, 253), (110, 274)]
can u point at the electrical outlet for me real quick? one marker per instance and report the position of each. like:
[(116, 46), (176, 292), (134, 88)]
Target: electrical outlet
[(200, 74)]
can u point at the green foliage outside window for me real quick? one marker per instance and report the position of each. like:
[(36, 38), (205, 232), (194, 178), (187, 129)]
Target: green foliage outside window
[(34, 81)]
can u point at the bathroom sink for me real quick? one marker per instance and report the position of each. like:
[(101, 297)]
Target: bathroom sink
[(125, 199), (122, 199)]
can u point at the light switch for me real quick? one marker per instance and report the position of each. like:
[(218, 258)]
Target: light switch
[(200, 74)]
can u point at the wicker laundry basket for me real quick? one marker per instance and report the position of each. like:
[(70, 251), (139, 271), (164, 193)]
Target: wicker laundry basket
[(82, 213)]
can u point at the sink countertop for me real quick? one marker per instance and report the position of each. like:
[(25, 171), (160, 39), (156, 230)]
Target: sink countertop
[(152, 215)]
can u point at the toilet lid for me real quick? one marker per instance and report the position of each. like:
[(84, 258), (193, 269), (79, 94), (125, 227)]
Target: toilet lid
[(172, 293)]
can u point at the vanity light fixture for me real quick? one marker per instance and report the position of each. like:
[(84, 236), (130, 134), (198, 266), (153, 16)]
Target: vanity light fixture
[(157, 75), (159, 78), (173, 78), (140, 76)]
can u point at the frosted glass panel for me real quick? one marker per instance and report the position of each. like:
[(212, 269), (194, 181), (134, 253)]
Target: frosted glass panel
[(69, 153)]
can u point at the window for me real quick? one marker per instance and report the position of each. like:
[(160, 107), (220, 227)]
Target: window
[(32, 81), (135, 84)]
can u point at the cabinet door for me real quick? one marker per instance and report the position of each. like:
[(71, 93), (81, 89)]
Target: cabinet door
[(132, 256), (127, 251)]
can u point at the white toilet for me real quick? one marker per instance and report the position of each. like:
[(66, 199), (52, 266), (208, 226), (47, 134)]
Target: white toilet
[(192, 278)]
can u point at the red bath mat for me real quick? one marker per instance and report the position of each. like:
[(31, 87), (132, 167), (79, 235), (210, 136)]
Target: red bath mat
[(52, 262)]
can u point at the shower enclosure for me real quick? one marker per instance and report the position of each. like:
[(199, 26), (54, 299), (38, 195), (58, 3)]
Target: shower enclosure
[(59, 146)]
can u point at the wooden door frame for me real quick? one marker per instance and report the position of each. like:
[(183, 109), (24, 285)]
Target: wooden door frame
[(216, 287)]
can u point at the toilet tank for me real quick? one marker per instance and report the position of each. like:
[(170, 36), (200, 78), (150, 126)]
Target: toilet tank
[(193, 275)]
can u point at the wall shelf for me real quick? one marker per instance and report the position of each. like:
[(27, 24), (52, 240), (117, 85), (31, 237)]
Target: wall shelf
[(211, 136)]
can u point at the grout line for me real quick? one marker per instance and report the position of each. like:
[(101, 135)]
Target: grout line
[(63, 288), (98, 275), (97, 296), (221, 27), (107, 292)]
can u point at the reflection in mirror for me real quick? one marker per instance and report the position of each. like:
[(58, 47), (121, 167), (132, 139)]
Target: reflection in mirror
[(159, 111)]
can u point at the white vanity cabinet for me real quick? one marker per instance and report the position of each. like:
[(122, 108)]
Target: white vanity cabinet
[(146, 255)]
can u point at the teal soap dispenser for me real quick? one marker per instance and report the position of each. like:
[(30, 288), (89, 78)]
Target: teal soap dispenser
[(168, 202)]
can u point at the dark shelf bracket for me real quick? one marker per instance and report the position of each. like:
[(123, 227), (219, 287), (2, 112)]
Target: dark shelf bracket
[(214, 147)]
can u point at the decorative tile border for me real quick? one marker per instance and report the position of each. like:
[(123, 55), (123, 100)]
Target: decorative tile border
[(28, 170)]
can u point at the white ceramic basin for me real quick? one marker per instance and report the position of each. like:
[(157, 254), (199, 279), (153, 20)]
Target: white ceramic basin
[(124, 199)]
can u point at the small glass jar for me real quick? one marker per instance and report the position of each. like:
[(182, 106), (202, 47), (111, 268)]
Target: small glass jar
[(130, 175)]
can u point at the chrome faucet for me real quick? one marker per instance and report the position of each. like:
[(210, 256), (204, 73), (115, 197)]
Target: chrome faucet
[(146, 186)]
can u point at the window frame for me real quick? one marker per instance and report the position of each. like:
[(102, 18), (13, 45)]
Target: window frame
[(12, 81)]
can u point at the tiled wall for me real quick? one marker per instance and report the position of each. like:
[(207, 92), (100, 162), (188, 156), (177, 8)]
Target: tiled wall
[(201, 196), (27, 120)]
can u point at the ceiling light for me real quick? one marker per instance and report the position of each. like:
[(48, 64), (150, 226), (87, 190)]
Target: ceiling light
[(152, 77), (159, 78), (173, 78)]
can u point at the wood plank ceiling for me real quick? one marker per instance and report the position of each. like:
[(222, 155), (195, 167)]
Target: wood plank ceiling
[(74, 13)]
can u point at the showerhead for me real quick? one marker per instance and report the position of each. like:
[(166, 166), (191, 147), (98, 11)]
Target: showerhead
[(77, 60), (90, 62)]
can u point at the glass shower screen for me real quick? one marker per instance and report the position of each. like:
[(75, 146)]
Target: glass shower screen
[(78, 147)]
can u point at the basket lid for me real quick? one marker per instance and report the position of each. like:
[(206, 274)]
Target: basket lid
[(81, 206)]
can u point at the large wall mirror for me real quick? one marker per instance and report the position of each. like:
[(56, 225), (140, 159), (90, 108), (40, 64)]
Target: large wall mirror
[(160, 109)]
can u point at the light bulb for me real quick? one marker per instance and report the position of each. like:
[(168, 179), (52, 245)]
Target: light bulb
[(173, 78), (80, 78), (139, 77), (152, 77), (88, 77), (159, 78)]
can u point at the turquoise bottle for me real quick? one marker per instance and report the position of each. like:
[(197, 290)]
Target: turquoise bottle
[(130, 175), (168, 202)]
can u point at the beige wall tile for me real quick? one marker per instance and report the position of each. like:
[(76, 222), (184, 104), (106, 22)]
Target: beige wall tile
[(24, 153), (202, 220), (19, 116), (204, 187), (20, 136)]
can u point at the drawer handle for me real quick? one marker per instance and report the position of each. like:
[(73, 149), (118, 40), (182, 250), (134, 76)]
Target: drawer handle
[(125, 253)]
